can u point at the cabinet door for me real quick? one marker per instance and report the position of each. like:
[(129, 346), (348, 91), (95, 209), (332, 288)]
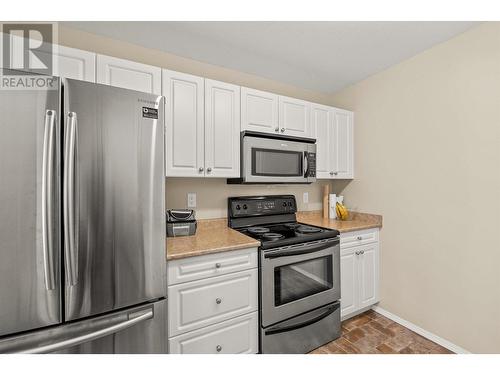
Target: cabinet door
[(67, 62), (74, 63), (184, 124), (368, 275), (222, 129), (343, 151), (128, 74), (321, 130), (259, 111), (294, 117), (348, 282)]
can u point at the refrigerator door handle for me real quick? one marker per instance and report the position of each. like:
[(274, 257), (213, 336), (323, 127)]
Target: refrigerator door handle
[(47, 198), (132, 319), (70, 245)]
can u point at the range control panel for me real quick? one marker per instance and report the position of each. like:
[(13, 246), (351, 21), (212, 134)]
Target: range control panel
[(262, 205)]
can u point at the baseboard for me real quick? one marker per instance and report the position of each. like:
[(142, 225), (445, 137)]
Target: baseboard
[(422, 332)]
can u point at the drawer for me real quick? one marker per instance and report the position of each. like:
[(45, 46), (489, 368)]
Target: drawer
[(203, 266), (200, 303), (360, 237), (235, 336)]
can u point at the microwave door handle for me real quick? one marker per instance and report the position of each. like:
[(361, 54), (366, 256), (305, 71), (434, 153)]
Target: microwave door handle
[(301, 249), (285, 328), (306, 164)]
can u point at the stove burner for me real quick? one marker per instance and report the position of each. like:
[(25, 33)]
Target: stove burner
[(302, 229), (292, 225), (258, 230), (272, 236)]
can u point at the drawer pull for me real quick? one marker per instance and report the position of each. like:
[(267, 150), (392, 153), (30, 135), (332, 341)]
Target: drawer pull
[(217, 265), (218, 348), (359, 238), (357, 252), (218, 301), (362, 252)]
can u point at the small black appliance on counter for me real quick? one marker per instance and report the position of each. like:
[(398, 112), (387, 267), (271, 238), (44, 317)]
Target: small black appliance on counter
[(181, 222)]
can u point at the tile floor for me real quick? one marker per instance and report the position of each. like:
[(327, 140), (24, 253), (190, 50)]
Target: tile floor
[(372, 333)]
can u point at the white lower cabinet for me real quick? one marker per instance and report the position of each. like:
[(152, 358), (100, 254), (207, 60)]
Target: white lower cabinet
[(215, 314), (359, 272), (233, 336)]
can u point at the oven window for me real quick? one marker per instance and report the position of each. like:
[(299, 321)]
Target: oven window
[(298, 280), (268, 162)]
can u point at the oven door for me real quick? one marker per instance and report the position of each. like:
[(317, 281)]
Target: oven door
[(267, 160), (299, 278)]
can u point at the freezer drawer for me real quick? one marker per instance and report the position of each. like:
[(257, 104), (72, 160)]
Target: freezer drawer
[(140, 330)]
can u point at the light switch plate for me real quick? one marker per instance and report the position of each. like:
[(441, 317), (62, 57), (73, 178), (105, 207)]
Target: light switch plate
[(191, 200), (305, 198)]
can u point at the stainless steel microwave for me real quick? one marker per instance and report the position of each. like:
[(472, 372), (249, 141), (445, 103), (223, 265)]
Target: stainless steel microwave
[(276, 159)]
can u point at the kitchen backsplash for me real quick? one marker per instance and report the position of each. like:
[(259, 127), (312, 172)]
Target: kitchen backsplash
[(212, 194)]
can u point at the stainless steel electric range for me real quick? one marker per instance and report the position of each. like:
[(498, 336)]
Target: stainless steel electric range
[(299, 274)]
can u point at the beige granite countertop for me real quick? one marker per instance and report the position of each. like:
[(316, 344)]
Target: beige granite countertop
[(212, 236), (359, 221)]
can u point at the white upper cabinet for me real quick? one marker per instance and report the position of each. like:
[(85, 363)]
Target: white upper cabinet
[(128, 74), (184, 123), (294, 117), (74, 63), (67, 62), (222, 129), (343, 146), (259, 111), (321, 130), (333, 130)]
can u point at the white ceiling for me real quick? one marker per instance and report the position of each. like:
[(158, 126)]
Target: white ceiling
[(320, 56)]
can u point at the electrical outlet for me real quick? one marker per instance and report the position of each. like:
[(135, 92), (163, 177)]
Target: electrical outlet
[(305, 198), (191, 200)]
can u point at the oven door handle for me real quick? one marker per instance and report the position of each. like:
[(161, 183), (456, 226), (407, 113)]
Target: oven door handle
[(285, 328), (302, 249)]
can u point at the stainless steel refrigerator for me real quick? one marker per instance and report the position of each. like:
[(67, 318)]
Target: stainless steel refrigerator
[(82, 220)]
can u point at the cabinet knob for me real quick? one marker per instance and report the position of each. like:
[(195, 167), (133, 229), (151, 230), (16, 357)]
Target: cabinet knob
[(209, 169), (357, 252), (282, 130), (218, 301), (200, 169), (218, 348), (217, 265), (331, 173), (362, 252), (359, 238), (335, 173), (276, 129)]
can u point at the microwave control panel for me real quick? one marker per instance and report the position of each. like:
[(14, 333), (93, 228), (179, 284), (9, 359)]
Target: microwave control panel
[(311, 164)]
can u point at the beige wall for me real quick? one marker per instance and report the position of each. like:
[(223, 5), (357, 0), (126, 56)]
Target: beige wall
[(79, 39), (212, 194), (427, 139)]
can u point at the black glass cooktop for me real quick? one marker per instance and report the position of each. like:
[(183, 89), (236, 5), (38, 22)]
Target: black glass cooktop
[(276, 235)]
